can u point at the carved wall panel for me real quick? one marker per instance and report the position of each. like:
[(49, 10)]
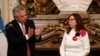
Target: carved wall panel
[(94, 8), (72, 5), (35, 7), (39, 7)]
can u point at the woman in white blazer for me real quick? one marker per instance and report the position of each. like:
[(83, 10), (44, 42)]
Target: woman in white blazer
[(75, 40)]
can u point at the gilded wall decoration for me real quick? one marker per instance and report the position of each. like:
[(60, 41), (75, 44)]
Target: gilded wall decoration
[(39, 7), (94, 7)]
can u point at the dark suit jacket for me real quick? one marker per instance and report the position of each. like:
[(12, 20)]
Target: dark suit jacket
[(17, 43)]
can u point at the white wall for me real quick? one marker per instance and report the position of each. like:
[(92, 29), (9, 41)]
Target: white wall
[(4, 10)]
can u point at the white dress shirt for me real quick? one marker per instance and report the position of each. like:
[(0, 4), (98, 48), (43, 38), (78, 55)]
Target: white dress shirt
[(26, 36), (69, 47), (21, 28)]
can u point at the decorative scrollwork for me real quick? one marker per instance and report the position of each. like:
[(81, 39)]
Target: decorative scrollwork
[(94, 7), (39, 7)]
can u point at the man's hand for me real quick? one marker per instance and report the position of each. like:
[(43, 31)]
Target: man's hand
[(38, 31), (30, 32)]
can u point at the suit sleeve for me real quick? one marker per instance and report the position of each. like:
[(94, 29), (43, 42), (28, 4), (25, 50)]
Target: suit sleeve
[(15, 37)]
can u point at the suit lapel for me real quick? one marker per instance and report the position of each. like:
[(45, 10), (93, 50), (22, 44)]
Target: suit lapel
[(17, 27), (26, 27)]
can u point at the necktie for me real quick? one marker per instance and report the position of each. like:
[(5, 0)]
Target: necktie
[(28, 49), (23, 29)]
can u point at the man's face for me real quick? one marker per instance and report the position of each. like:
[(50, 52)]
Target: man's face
[(21, 16)]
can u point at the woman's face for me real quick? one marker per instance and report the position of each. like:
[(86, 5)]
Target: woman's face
[(72, 22)]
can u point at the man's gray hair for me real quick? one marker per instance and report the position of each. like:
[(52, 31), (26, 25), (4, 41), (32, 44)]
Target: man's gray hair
[(17, 9)]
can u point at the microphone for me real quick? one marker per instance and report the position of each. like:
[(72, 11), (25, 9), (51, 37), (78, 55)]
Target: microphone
[(7, 27), (77, 34)]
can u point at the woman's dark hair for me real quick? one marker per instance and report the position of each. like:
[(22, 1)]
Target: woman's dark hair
[(79, 21)]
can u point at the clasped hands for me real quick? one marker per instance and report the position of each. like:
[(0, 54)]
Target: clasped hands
[(31, 31)]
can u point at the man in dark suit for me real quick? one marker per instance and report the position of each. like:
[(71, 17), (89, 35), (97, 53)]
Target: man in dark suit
[(21, 34)]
